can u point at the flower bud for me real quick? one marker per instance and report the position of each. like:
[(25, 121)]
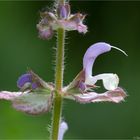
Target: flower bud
[(63, 11), (45, 33)]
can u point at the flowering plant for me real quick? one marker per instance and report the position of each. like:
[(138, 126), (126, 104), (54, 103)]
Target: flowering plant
[(36, 96)]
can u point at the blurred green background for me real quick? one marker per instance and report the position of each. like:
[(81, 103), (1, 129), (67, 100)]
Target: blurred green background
[(117, 23)]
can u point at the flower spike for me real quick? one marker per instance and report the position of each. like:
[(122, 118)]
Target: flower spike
[(50, 22)]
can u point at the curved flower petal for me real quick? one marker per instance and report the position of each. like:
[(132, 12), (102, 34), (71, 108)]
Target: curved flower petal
[(110, 80), (63, 128), (70, 25), (82, 28), (115, 96), (91, 54)]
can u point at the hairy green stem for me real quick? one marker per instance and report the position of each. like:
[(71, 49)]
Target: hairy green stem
[(59, 59), (57, 106)]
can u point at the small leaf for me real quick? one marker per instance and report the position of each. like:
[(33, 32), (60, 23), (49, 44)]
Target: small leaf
[(75, 85), (36, 78), (31, 81)]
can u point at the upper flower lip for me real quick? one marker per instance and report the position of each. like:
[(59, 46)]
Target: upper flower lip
[(92, 53)]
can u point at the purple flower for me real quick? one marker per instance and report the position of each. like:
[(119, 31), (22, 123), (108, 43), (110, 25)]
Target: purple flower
[(36, 96), (29, 81), (61, 19), (63, 11), (82, 88)]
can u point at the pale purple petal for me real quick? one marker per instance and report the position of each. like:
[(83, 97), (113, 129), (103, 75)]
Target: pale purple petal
[(75, 22), (115, 96), (71, 26), (91, 54), (67, 25), (82, 28), (63, 11), (62, 129), (7, 95)]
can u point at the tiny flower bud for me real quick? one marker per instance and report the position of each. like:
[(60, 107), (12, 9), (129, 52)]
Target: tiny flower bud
[(48, 15), (82, 86), (45, 33), (77, 18), (34, 85), (63, 11), (45, 25), (77, 21)]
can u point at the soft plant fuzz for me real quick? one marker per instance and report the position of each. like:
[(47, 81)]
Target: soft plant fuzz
[(36, 96)]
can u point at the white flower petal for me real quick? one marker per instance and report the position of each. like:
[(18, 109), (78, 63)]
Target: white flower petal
[(110, 80)]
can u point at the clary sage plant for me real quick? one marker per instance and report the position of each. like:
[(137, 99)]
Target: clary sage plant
[(36, 96)]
